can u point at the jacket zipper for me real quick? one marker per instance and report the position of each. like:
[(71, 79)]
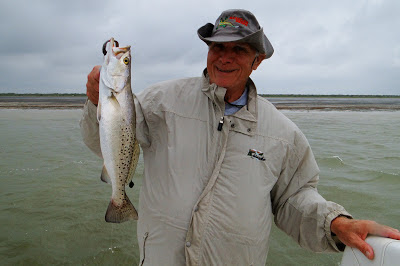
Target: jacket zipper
[(221, 123)]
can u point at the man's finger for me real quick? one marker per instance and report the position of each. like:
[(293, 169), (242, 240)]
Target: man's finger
[(367, 250), (96, 71), (358, 242), (92, 85), (383, 230)]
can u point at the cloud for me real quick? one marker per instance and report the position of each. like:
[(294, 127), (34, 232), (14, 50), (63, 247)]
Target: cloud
[(320, 47)]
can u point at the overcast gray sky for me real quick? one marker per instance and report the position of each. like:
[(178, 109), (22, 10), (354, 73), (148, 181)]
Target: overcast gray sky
[(321, 46)]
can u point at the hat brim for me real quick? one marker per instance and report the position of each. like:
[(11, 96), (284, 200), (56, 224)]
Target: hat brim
[(257, 39)]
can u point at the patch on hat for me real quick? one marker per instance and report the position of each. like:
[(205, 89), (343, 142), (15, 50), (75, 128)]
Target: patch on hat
[(240, 20), (223, 22)]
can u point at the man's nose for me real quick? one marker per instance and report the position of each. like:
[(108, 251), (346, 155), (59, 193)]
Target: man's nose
[(226, 56)]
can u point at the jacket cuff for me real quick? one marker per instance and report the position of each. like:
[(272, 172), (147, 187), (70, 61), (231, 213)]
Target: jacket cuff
[(332, 238)]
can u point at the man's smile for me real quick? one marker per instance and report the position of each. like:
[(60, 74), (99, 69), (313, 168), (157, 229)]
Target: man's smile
[(225, 70)]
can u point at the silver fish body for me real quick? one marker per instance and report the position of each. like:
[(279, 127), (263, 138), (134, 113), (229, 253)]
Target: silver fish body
[(116, 116)]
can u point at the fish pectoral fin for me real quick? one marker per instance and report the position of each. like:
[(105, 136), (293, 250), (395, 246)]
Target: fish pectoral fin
[(105, 176), (98, 111), (120, 214)]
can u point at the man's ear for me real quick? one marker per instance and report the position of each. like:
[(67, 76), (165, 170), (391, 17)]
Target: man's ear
[(258, 61)]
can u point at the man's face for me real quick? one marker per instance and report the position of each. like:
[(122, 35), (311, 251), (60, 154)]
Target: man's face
[(229, 65)]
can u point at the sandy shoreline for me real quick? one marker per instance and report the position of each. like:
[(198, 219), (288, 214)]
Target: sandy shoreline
[(283, 103), (42, 102)]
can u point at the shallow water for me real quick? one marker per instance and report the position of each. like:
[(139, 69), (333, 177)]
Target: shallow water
[(53, 202), (359, 157)]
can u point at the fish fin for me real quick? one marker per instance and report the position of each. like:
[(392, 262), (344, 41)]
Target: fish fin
[(105, 77), (114, 100), (98, 111), (135, 158), (105, 176), (120, 214)]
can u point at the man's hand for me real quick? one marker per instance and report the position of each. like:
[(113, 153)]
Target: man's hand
[(92, 85), (354, 232)]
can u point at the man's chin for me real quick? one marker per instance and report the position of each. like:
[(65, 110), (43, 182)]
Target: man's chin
[(225, 79), (223, 84)]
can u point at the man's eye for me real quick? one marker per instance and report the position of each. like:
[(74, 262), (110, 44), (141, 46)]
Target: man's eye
[(218, 46), (240, 49)]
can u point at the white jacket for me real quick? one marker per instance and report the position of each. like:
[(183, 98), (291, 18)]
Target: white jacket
[(208, 196)]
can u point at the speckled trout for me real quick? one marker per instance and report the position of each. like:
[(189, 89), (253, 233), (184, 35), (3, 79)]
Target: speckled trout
[(116, 116)]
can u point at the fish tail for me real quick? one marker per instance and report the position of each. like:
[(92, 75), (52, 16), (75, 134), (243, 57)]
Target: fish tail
[(119, 214)]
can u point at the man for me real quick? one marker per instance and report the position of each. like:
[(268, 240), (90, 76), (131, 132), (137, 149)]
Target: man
[(221, 163)]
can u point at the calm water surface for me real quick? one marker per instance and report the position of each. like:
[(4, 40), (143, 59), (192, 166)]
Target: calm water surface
[(52, 202)]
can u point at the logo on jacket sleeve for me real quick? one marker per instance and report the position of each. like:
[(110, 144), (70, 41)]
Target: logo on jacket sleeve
[(253, 153)]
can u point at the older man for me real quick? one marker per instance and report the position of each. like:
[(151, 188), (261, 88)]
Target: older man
[(221, 163)]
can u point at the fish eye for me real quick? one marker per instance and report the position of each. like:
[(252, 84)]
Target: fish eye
[(126, 60)]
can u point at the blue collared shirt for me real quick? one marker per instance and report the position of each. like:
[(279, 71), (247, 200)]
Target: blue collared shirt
[(238, 104)]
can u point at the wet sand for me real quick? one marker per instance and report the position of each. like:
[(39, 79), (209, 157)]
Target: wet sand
[(42, 102), (284, 103), (336, 103)]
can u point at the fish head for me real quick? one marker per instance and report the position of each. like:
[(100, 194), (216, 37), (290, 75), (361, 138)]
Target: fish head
[(116, 69)]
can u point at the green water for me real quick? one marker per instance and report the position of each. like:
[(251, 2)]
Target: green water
[(52, 203)]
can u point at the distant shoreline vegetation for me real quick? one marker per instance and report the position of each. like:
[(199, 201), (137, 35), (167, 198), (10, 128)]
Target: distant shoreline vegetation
[(44, 94), (327, 96), (262, 95)]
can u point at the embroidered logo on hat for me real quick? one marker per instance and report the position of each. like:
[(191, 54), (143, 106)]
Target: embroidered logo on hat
[(223, 22), (240, 20)]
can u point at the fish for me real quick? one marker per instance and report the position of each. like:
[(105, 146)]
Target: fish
[(116, 117)]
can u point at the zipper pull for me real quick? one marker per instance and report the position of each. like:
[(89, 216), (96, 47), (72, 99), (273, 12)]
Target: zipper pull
[(221, 122)]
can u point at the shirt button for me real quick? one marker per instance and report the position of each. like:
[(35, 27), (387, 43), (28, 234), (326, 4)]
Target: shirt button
[(196, 208), (188, 244), (233, 125), (249, 130)]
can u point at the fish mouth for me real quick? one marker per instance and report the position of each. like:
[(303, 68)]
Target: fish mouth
[(114, 47), (119, 51), (112, 42)]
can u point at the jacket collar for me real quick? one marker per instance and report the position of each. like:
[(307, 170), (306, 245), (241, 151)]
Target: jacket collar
[(214, 92), (217, 95)]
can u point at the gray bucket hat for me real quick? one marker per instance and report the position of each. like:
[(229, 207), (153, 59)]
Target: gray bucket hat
[(237, 25)]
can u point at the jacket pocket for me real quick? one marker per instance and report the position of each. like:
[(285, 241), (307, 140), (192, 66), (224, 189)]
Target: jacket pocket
[(144, 247)]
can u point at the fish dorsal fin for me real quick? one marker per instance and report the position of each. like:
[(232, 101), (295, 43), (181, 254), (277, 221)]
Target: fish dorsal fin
[(104, 176)]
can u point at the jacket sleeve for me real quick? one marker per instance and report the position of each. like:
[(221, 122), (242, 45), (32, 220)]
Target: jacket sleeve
[(299, 209), (90, 128)]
